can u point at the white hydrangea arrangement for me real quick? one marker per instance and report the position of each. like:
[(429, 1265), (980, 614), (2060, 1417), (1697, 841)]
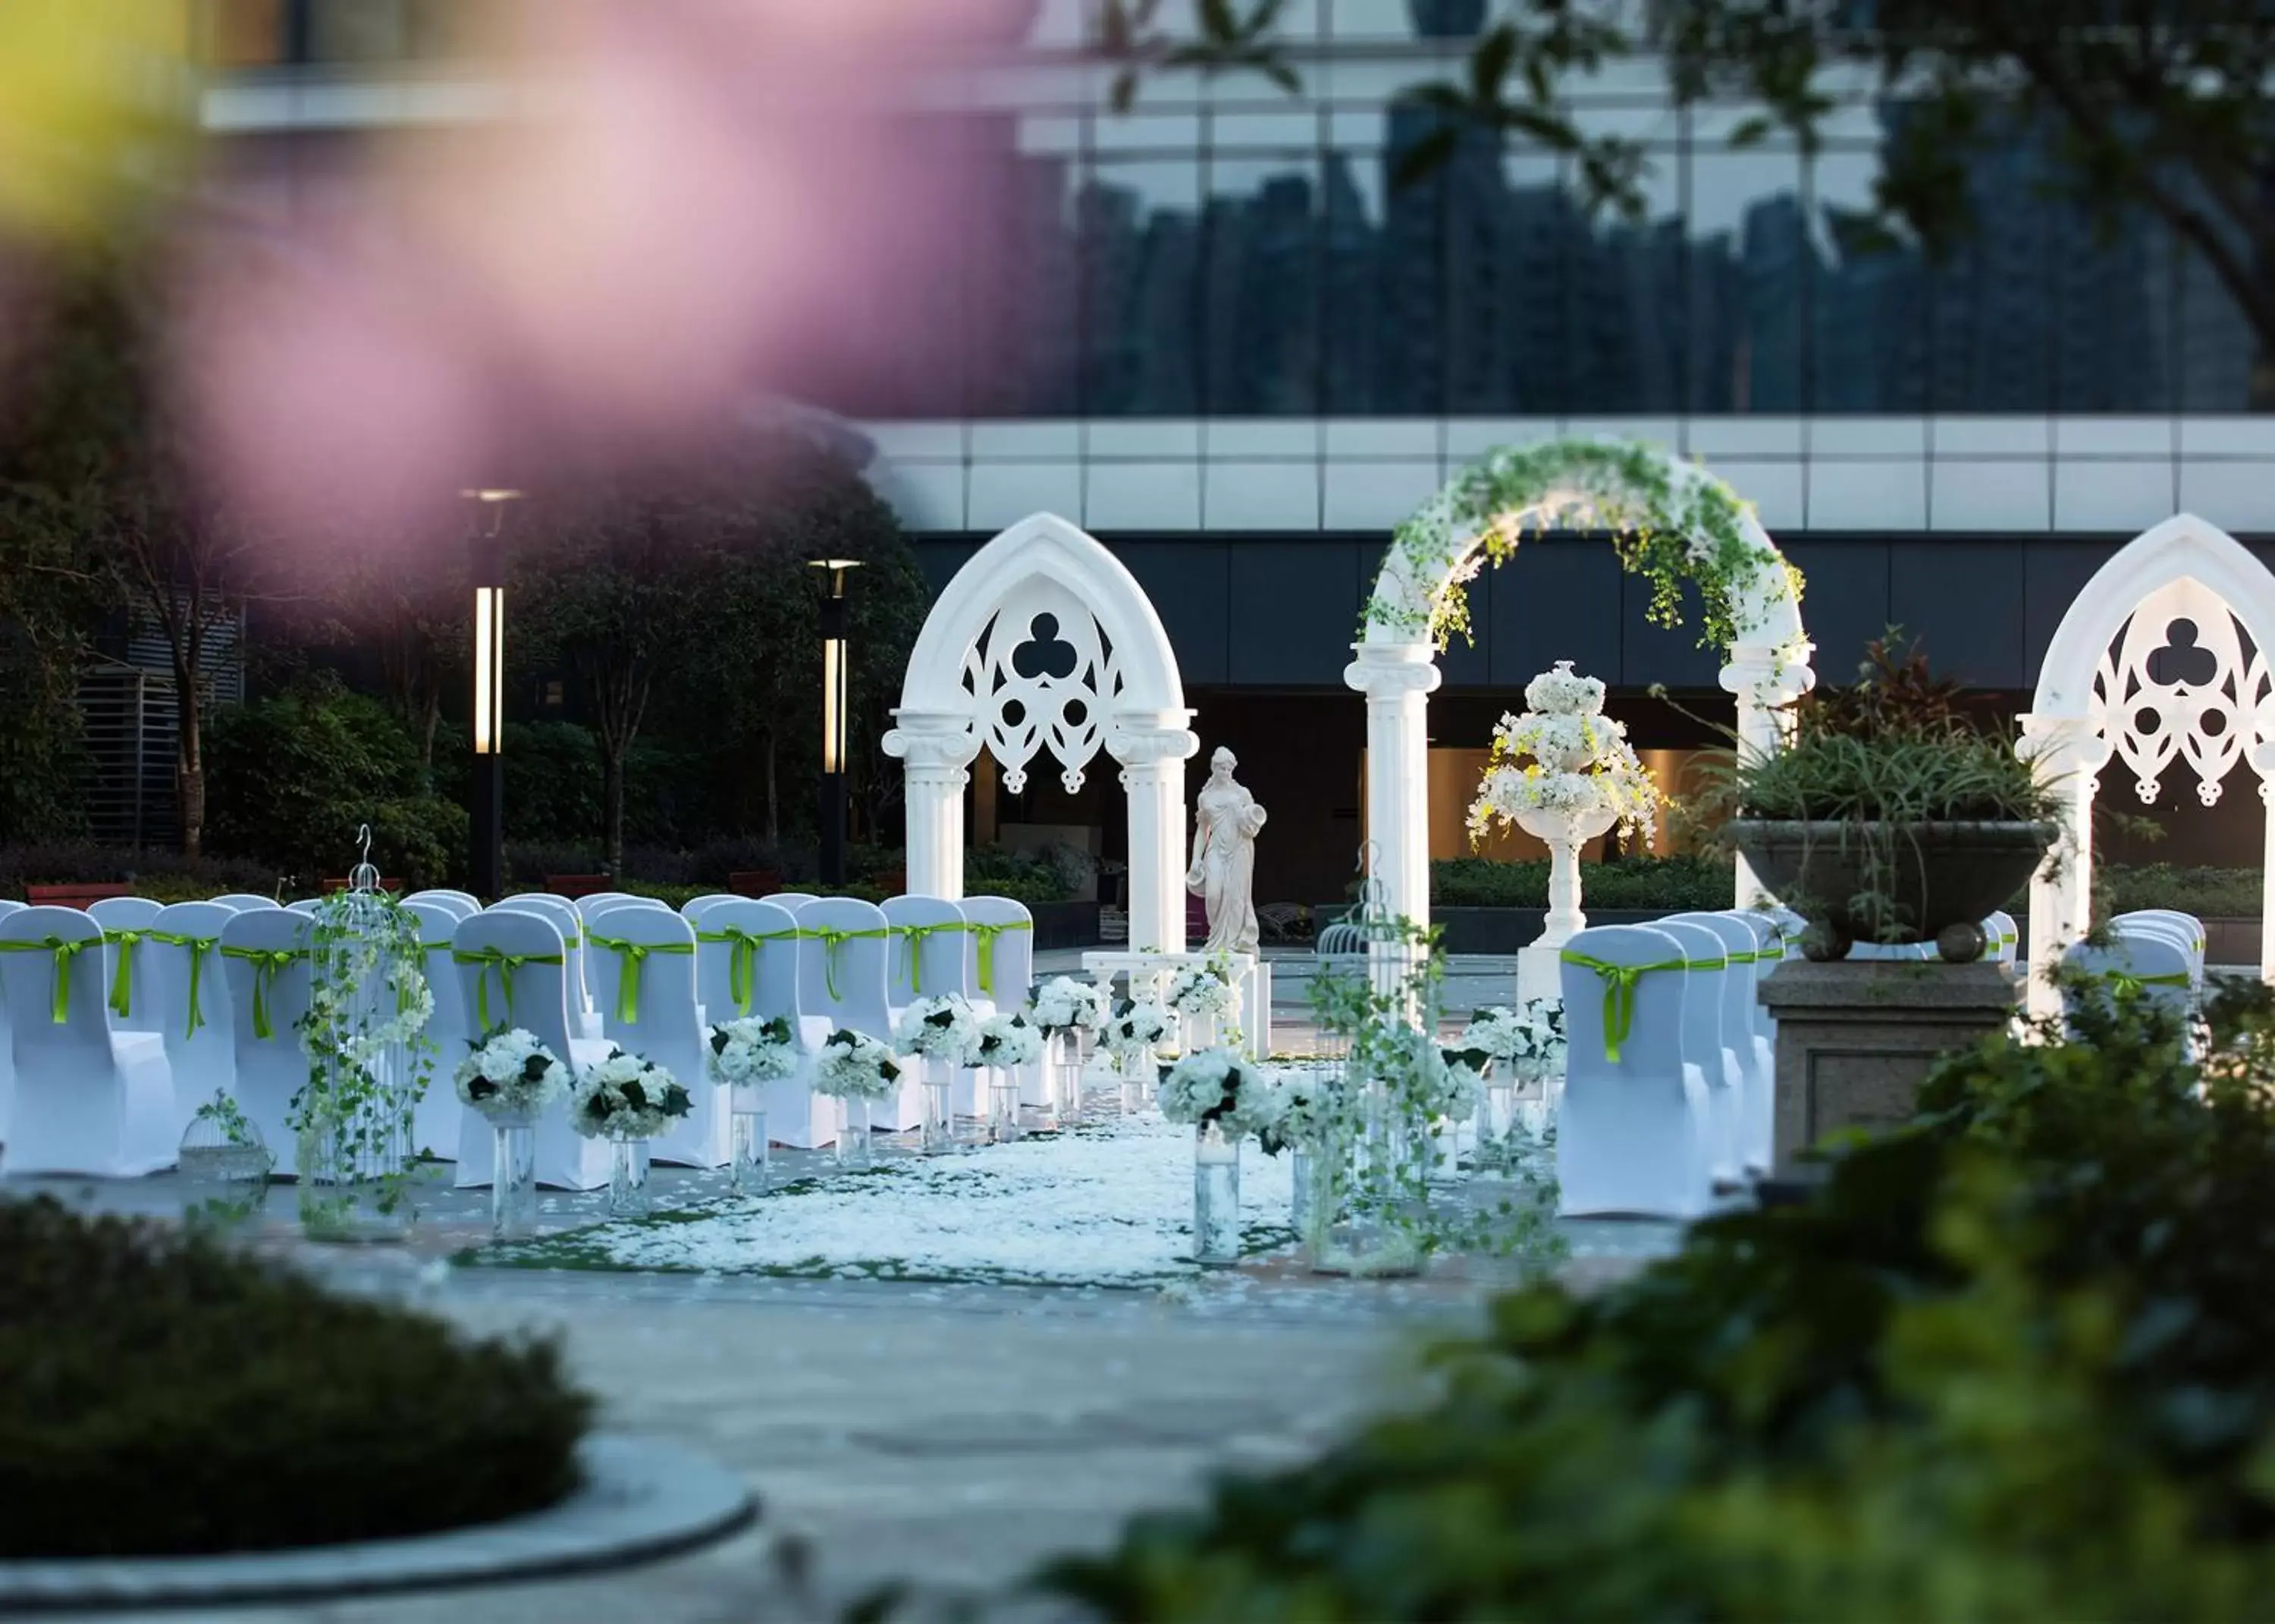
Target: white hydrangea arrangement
[(1136, 1026), (511, 1073), (751, 1051), (1564, 756), (1008, 1039), (1201, 989), (1222, 1086), (855, 1065), (1066, 1005), (1530, 1038), (1308, 1110), (627, 1096), (942, 1028)]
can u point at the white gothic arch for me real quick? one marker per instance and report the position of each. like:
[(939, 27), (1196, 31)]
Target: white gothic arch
[(1044, 646), (2097, 698), (1396, 670)]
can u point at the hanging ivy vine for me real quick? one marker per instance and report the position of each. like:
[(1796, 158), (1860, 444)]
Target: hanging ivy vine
[(1670, 524)]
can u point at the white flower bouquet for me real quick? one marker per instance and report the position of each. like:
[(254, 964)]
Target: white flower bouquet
[(1008, 1039), (1423, 1078), (511, 1073), (628, 1097), (1066, 1005), (751, 1051), (855, 1065), (1200, 989), (1531, 1037), (1564, 692), (1222, 1086), (941, 1028), (1564, 762), (1309, 1109), (1136, 1027)]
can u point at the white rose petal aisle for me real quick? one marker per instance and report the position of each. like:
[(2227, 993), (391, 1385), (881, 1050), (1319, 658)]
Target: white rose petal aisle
[(746, 1054), (855, 1070), (944, 1034), (627, 1100), (509, 1078)]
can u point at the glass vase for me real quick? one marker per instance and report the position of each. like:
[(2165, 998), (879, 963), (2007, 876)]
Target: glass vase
[(852, 1146), (628, 1192), (936, 1132), (1064, 1063), (749, 1145), (1299, 1189), (1496, 1117), (513, 1174), (1002, 1104), (1216, 1196)]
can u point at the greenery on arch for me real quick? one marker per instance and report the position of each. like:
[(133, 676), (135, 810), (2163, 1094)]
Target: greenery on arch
[(1670, 524)]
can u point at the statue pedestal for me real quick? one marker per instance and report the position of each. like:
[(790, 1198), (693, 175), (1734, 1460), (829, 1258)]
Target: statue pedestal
[(1538, 975)]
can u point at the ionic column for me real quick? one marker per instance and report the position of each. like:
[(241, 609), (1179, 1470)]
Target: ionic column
[(2068, 754), (1765, 681), (1152, 747), (937, 748), (1397, 679)]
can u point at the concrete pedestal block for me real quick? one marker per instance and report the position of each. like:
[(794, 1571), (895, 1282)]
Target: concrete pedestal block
[(1855, 1039)]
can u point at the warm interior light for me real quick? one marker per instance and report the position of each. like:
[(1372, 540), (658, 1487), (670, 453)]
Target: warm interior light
[(833, 705), (489, 670)]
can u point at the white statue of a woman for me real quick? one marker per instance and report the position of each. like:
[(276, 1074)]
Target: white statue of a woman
[(1223, 873)]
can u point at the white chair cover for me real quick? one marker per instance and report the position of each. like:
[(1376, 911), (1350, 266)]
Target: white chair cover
[(7, 1046), (460, 904), (695, 907), (2006, 937), (123, 919), (643, 963), (584, 1019), (1704, 997), (795, 1115), (89, 1101), (534, 997), (931, 956), (243, 900), (182, 956), (840, 977), (1632, 1128), (2159, 961), (438, 1123), (1769, 953), (791, 899), (2184, 927), (588, 905), (1746, 1055), (270, 1066), (1000, 950), (306, 904)]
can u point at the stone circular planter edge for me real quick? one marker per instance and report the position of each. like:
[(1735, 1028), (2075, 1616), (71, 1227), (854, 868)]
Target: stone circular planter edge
[(642, 1500)]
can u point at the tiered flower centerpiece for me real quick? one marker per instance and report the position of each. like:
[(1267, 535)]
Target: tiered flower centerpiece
[(1564, 772)]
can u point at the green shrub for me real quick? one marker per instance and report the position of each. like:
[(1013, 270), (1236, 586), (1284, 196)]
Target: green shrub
[(162, 1395), (2011, 1362), (2207, 893), (166, 876), (1671, 884)]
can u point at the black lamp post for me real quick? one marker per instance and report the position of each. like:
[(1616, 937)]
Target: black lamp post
[(835, 688), (485, 787)]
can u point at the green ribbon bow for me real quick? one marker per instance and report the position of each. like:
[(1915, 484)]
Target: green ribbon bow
[(504, 964), (833, 943), (916, 935), (743, 962), (122, 979), (63, 952), (266, 963), (634, 955), (198, 947), (1619, 994), (2126, 982), (987, 934)]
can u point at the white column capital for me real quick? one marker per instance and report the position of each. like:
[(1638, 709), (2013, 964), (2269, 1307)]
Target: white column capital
[(1144, 739), (933, 738), (1386, 670), (1771, 674)]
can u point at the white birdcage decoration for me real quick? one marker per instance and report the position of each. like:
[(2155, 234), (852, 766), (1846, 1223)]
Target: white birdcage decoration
[(368, 1061)]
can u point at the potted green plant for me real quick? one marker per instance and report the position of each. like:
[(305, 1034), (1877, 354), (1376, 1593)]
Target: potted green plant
[(1890, 816)]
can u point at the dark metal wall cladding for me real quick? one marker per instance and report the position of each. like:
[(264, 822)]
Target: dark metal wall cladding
[(1984, 607)]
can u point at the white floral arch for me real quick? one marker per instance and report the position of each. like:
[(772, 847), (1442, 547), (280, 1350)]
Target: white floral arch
[(1044, 643), (1678, 523), (2189, 591)]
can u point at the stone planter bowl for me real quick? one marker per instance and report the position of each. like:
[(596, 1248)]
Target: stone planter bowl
[(1946, 878)]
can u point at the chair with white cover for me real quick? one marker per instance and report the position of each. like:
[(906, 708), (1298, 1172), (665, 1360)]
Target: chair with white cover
[(593, 902), (89, 1101), (123, 919), (309, 905), (437, 1123), (695, 907), (264, 959), (643, 963), (2154, 962), (1744, 1050), (243, 900), (2184, 928), (461, 905), (584, 1017), (7, 1043), (511, 972), (765, 936), (2004, 938), (1631, 1127), (188, 992), (930, 957), (791, 899), (999, 937), (1706, 996), (843, 944)]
